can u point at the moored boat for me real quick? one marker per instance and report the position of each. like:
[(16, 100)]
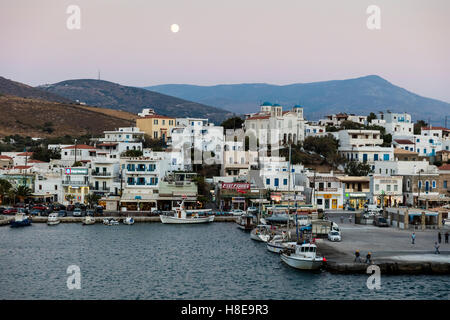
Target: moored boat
[(88, 220), (261, 233), (279, 243), (110, 222), (304, 257), (20, 220), (53, 219), (180, 216), (246, 222), (128, 221)]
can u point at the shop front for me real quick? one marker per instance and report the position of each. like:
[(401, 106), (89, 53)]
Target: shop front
[(356, 200)]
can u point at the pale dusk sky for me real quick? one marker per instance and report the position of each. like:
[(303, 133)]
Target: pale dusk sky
[(228, 41)]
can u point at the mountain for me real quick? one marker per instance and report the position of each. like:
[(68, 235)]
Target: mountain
[(107, 94), (40, 118), (13, 88), (360, 96)]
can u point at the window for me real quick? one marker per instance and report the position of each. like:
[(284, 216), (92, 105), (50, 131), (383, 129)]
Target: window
[(319, 201), (155, 121), (388, 187), (375, 157), (268, 182), (164, 122), (285, 182), (433, 183), (445, 184), (395, 187), (155, 134), (377, 187), (386, 157)]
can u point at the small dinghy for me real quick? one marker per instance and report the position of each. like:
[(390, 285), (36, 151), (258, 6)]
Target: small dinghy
[(128, 221), (53, 219), (110, 222)]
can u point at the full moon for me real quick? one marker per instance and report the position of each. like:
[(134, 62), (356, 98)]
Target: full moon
[(174, 28)]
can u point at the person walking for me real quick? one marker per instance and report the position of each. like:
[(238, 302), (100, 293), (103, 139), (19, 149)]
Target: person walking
[(446, 237), (439, 237), (342, 219), (436, 247), (413, 238)]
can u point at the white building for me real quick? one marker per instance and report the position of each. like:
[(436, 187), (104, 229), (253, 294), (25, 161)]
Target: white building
[(385, 190), (397, 124), (364, 146), (274, 172), (75, 182), (197, 134), (426, 145), (118, 141), (141, 178), (336, 120), (273, 125), (314, 130), (105, 177), (328, 191)]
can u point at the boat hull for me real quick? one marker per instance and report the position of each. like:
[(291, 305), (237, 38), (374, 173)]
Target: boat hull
[(278, 247), (259, 237), (23, 223), (176, 220), (53, 222), (301, 263)]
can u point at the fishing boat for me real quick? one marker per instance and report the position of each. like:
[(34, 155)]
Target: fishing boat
[(303, 257), (261, 233), (20, 220), (53, 219), (110, 222), (278, 218), (279, 243), (128, 221), (246, 222), (180, 216), (88, 220)]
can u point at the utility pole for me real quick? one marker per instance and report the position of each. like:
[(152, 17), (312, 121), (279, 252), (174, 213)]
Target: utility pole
[(75, 151), (289, 187)]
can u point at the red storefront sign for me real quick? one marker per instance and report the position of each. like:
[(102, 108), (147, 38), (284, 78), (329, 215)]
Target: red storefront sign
[(235, 185)]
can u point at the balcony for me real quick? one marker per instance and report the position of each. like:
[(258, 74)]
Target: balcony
[(99, 188), (101, 174), (75, 183)]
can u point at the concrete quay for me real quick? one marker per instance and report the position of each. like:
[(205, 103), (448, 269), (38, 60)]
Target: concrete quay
[(5, 220), (391, 249)]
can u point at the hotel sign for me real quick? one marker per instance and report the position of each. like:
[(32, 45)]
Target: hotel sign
[(76, 171), (235, 186)]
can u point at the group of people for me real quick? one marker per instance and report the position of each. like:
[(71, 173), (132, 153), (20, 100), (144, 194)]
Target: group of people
[(436, 243), (358, 257)]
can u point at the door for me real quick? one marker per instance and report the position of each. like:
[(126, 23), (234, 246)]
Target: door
[(334, 203), (327, 203)]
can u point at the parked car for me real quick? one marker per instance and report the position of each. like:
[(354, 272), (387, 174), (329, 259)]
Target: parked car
[(99, 209), (77, 212), (10, 211), (380, 222), (2, 209), (35, 212), (39, 207), (62, 213), (334, 236), (90, 212), (237, 212), (372, 208), (70, 207)]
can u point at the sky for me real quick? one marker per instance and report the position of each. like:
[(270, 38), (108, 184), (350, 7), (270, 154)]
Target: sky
[(228, 41)]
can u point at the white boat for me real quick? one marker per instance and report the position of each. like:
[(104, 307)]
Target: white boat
[(128, 221), (279, 243), (88, 220), (53, 219), (110, 222), (261, 233), (304, 257), (180, 216)]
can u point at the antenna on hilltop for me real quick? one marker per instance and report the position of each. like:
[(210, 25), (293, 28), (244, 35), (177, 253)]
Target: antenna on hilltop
[(98, 78)]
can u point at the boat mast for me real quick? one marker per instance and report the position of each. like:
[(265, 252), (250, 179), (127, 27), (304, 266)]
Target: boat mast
[(289, 188)]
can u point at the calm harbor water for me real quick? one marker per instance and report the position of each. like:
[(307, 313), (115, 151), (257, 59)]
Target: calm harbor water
[(155, 261)]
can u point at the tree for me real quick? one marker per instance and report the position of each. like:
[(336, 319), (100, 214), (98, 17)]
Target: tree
[(356, 168), (44, 154), (154, 144), (370, 117), (419, 125), (22, 192), (233, 123), (5, 187), (132, 153), (325, 146), (92, 199)]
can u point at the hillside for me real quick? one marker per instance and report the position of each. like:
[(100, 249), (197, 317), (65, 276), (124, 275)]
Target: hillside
[(13, 88), (39, 118), (360, 95), (114, 96)]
